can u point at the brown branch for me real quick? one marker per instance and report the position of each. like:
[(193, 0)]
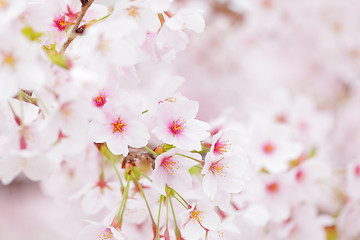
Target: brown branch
[(84, 7)]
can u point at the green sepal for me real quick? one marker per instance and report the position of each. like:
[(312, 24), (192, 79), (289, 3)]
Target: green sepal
[(56, 57)]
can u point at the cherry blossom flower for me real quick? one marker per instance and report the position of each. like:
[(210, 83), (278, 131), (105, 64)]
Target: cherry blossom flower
[(102, 194), (172, 169), (179, 127), (172, 37), (96, 231), (198, 219), (19, 70), (225, 172), (121, 127), (273, 148), (9, 10)]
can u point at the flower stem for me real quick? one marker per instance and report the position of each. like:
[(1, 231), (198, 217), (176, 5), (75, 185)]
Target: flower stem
[(73, 33), (180, 202), (143, 195), (188, 157), (151, 151), (172, 210), (123, 201), (117, 173), (180, 197), (158, 222)]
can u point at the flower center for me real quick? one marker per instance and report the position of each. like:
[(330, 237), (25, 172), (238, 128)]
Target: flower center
[(220, 168), (170, 165), (177, 126), (272, 187), (268, 148), (107, 234), (61, 23), (133, 11), (99, 100), (170, 99), (9, 59), (196, 216), (3, 3), (119, 126), (222, 147), (357, 170)]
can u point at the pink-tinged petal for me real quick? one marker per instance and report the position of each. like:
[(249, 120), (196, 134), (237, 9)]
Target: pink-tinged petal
[(186, 162), (159, 180), (137, 134), (187, 142), (100, 132), (92, 203), (230, 184), (192, 230), (186, 109), (117, 145), (181, 182), (165, 114), (37, 167), (8, 170), (198, 128), (211, 220), (96, 231), (164, 135), (209, 185)]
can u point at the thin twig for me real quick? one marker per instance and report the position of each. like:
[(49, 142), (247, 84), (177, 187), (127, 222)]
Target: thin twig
[(73, 33)]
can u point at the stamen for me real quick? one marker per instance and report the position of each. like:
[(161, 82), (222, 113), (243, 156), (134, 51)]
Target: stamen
[(100, 100), (220, 167), (170, 165), (177, 126), (61, 23), (133, 11), (119, 126), (222, 147), (107, 234), (268, 148)]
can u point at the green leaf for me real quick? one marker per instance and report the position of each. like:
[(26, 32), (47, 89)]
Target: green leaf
[(31, 34)]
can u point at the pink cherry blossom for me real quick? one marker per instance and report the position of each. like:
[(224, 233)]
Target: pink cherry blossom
[(179, 127), (99, 231), (225, 172), (198, 219), (121, 127), (172, 169)]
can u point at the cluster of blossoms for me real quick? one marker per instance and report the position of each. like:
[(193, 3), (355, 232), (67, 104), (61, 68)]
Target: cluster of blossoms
[(90, 107)]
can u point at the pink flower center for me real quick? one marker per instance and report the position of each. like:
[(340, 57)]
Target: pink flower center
[(170, 165), (300, 175), (99, 100), (107, 234), (61, 23), (268, 148), (281, 118), (221, 147), (119, 126), (357, 171), (220, 168), (272, 187), (177, 126)]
